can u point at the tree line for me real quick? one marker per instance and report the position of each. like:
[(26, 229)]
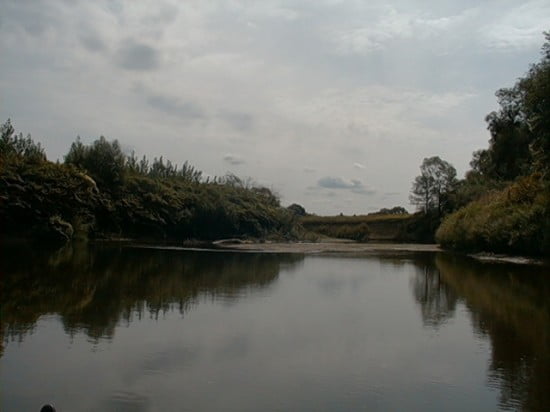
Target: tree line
[(503, 203), (99, 191)]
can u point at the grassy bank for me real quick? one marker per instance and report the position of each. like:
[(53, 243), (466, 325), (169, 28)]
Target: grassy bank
[(98, 192), (515, 220), (376, 227)]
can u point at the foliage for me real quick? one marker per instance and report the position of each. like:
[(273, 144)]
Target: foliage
[(359, 232), (102, 160), (17, 146), (431, 189), (535, 92), (161, 169), (514, 220), (32, 194), (348, 220), (297, 209), (520, 129), (100, 192), (392, 227), (176, 208), (397, 210), (473, 187), (503, 204), (508, 155)]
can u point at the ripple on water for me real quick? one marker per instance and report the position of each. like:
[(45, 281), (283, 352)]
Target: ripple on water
[(168, 360), (127, 401)]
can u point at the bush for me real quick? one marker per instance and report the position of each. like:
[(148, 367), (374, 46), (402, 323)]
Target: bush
[(17, 147), (514, 220), (297, 209), (130, 199), (102, 160)]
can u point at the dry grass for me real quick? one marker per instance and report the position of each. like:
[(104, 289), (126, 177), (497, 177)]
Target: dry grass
[(360, 228), (515, 220), (348, 220)]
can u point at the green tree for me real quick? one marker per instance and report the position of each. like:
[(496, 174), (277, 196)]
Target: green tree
[(18, 146), (535, 98), (520, 129), (103, 160), (297, 209), (431, 189), (508, 155), (397, 210), (190, 173)]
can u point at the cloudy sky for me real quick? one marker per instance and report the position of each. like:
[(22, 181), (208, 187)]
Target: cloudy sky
[(333, 104)]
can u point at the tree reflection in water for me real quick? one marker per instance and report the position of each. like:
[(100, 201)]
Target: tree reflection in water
[(94, 288), (437, 300), (510, 306)]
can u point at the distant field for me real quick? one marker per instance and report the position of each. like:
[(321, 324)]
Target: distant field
[(362, 227), (346, 220)]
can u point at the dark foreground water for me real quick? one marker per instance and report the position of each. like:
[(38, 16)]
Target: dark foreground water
[(125, 329)]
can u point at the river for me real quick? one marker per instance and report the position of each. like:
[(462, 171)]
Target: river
[(119, 328)]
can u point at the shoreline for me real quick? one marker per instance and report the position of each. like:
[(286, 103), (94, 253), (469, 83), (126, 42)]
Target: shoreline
[(327, 247), (354, 248)]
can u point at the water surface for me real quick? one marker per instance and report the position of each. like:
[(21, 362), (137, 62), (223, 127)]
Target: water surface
[(115, 328)]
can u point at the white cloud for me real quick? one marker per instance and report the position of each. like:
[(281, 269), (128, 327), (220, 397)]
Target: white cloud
[(518, 27), (338, 183), (387, 23)]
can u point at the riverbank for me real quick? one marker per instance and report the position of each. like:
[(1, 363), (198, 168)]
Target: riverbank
[(339, 246), (327, 247)]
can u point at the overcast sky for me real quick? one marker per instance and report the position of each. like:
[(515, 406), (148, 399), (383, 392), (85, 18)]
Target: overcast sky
[(333, 104)]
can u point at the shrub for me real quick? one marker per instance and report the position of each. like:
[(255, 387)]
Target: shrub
[(19, 147), (103, 160), (514, 220)]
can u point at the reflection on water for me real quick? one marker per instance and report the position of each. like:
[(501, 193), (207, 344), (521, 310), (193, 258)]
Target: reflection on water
[(93, 289), (510, 305), (507, 304), (436, 298), (117, 328)]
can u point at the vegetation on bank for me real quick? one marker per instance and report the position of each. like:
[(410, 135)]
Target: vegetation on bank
[(347, 227), (100, 192), (503, 204), (514, 220), (396, 227)]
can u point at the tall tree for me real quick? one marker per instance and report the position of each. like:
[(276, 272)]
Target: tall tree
[(16, 146), (520, 129), (431, 189), (535, 94), (508, 154)]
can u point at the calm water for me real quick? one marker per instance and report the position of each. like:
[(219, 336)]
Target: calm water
[(127, 329)]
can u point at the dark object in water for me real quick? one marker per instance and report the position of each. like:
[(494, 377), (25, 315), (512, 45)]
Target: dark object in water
[(47, 408)]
